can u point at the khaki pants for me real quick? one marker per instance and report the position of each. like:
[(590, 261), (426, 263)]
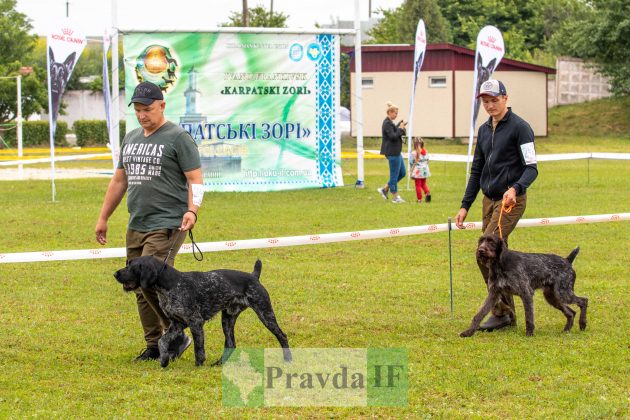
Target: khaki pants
[(491, 212), (156, 243)]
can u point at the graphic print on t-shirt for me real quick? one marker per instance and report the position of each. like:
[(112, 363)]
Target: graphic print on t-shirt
[(142, 162)]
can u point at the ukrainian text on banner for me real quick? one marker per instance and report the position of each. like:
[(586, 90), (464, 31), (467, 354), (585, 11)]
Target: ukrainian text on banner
[(262, 107)]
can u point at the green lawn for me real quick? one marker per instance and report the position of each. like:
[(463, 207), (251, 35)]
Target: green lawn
[(69, 332)]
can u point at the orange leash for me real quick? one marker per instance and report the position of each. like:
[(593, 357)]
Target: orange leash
[(504, 209)]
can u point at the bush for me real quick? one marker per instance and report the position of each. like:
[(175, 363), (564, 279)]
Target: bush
[(92, 132), (37, 133)]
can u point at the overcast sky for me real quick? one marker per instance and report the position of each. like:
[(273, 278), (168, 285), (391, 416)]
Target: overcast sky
[(96, 15)]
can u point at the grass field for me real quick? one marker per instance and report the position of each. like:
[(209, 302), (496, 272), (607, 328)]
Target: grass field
[(69, 332)]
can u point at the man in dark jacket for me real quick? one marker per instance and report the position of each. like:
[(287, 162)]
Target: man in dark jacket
[(503, 167)]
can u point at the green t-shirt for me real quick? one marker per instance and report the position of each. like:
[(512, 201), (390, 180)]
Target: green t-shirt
[(157, 191)]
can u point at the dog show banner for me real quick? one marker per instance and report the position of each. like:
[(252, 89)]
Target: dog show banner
[(112, 143), (488, 55), (65, 44), (262, 107), (418, 59)]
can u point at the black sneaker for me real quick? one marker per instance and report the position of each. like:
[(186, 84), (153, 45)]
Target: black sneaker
[(150, 353), (495, 323), (428, 198)]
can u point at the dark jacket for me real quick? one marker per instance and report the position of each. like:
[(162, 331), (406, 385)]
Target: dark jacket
[(392, 138), (504, 157)]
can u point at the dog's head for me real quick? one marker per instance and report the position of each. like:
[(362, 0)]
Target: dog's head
[(139, 272), (489, 248)]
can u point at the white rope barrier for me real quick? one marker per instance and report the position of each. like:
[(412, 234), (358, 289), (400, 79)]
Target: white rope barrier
[(435, 157), (445, 157), (57, 159), (83, 254)]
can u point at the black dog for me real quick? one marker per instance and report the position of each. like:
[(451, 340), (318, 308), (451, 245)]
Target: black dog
[(520, 274), (190, 299), (59, 77)]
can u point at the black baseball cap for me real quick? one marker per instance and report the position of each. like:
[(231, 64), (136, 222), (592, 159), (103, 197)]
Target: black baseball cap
[(145, 93)]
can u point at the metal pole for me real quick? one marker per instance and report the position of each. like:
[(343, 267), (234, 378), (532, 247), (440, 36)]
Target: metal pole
[(450, 262), (358, 103), (51, 129), (19, 124)]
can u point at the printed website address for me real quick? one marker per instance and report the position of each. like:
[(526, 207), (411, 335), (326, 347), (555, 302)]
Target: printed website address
[(264, 173)]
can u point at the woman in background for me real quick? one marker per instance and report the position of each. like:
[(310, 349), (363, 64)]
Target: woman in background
[(392, 148)]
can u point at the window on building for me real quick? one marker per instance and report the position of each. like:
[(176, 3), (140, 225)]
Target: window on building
[(367, 83), (437, 81)]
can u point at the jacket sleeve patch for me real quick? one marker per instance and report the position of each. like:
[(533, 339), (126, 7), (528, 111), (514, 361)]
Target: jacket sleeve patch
[(529, 153)]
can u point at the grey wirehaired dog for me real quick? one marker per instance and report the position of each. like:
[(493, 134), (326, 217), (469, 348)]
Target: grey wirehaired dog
[(189, 299), (519, 273)]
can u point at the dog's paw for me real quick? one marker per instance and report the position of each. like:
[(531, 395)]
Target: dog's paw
[(467, 333), (217, 363), (529, 333), (582, 326), (164, 361)]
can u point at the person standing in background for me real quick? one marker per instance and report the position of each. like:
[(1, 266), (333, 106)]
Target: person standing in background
[(391, 147), (420, 169)]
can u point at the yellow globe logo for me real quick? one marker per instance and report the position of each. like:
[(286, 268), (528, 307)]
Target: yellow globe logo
[(157, 65), (155, 60)]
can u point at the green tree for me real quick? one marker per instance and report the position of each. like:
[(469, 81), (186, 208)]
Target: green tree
[(259, 17), (398, 26), (515, 20), (602, 36), (526, 26), (16, 47)]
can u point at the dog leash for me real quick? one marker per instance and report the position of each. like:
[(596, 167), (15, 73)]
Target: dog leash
[(194, 244), (504, 209)]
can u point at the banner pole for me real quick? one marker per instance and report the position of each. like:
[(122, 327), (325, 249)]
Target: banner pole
[(19, 126), (51, 127), (358, 91), (115, 102), (450, 262)]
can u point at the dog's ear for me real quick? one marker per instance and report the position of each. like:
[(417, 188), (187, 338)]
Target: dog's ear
[(491, 65), (145, 270), (500, 247)]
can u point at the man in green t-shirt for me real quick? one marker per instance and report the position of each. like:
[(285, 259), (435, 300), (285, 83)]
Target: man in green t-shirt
[(160, 170)]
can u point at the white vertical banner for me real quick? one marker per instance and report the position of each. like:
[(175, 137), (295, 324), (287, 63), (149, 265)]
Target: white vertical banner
[(418, 59), (488, 55), (107, 98), (65, 44)]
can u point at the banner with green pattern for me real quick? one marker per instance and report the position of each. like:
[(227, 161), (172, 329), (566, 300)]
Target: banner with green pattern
[(263, 108)]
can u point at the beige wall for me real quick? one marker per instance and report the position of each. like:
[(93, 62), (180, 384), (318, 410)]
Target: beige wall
[(429, 119), (434, 106)]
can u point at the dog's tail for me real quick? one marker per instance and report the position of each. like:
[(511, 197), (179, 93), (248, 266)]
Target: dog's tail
[(573, 254), (257, 269)]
